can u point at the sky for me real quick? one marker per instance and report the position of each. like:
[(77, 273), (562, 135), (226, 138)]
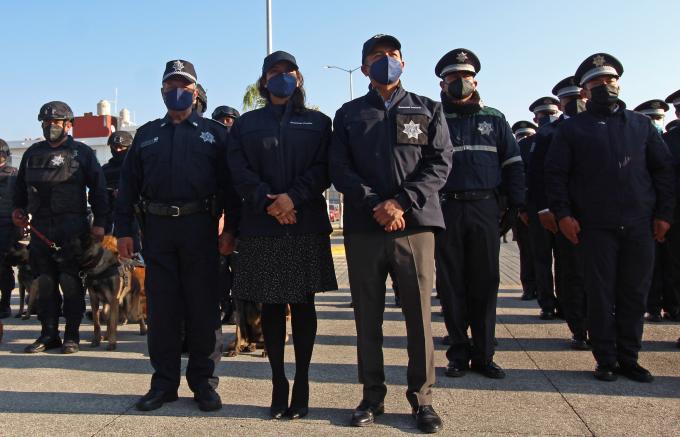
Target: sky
[(80, 51)]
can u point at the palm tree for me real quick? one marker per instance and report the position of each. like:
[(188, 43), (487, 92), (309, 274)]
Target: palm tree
[(252, 98)]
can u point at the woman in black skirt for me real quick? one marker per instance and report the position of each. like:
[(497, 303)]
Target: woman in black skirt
[(279, 166)]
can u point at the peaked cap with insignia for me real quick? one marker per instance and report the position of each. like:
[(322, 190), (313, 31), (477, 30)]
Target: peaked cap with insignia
[(458, 60), (545, 104), (652, 107), (673, 125), (524, 127), (599, 64), (674, 99), (179, 68), (566, 87)]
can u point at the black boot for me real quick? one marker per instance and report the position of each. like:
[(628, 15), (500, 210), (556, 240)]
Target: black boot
[(279, 405), (299, 401), (49, 338)]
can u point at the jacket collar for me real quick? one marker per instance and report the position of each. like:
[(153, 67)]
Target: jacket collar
[(192, 119), (375, 99)]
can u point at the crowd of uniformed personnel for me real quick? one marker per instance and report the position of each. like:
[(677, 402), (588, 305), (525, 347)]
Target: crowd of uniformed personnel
[(427, 186)]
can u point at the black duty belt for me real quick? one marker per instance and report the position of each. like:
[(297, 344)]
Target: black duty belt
[(467, 195), (170, 210)]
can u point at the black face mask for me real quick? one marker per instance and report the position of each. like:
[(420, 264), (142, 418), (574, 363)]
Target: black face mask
[(605, 94), (574, 107), (460, 88), (53, 132)]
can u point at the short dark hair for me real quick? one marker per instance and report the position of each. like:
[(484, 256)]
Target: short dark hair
[(297, 99)]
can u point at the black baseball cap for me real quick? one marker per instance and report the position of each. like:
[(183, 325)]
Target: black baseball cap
[(275, 57), (378, 39)]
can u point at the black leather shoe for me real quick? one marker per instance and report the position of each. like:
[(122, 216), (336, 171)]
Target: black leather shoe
[(427, 420), (69, 347), (279, 405), (154, 399), (672, 316), (528, 295), (677, 343), (547, 315), (456, 370), (605, 372), (42, 344), (635, 372), (5, 312), (366, 413), (295, 413), (490, 370), (208, 399), (579, 344), (653, 318)]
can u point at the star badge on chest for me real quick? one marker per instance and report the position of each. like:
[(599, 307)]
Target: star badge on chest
[(412, 130), (485, 128), (57, 161), (207, 137)]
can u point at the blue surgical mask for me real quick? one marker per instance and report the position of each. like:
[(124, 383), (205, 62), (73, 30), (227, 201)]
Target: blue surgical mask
[(658, 124), (386, 70), (282, 85), (178, 99)]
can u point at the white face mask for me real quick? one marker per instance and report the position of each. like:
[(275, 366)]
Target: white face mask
[(658, 124), (554, 117)]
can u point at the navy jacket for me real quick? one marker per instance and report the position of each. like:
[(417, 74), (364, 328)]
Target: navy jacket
[(275, 150), (672, 140), (609, 170), (175, 164), (485, 154), (536, 194), (403, 153)]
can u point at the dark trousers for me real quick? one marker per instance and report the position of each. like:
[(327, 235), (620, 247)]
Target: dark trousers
[(468, 277), (663, 294), (572, 296), (58, 270), (543, 247), (181, 284), (410, 256), (618, 274), (7, 238), (527, 270)]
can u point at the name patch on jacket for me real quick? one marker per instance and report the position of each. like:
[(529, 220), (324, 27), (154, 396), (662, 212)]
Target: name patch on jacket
[(412, 129), (148, 142)]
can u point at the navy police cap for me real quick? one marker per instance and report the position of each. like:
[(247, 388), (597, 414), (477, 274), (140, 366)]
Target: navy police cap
[(566, 87), (599, 64), (524, 127), (378, 39), (674, 98), (673, 125), (278, 56), (179, 68), (547, 104), (458, 60), (652, 107)]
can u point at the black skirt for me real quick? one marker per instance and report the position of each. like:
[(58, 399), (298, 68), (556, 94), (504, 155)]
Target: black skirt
[(283, 269)]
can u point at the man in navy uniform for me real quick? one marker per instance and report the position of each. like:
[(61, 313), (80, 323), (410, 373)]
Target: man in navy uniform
[(664, 293), (201, 104), (225, 115), (524, 132), (672, 139), (545, 110), (52, 185), (8, 232), (175, 178), (486, 158), (611, 186), (571, 296), (389, 156)]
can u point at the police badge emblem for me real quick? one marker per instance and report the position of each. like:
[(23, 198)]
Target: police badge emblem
[(485, 128), (412, 130), (207, 137)]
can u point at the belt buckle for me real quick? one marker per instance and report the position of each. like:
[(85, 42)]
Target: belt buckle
[(175, 211)]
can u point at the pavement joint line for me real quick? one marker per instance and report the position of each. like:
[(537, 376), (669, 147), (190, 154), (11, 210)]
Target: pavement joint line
[(545, 375), (110, 422)]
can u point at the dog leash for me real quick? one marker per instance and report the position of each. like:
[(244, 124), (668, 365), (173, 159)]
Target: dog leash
[(51, 244)]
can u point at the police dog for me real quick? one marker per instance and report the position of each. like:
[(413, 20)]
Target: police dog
[(109, 281), (17, 256), (248, 321)]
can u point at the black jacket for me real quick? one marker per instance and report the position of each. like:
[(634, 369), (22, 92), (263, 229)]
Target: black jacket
[(403, 152), (536, 194), (609, 170), (60, 190), (175, 164), (274, 150), (485, 154), (672, 140)]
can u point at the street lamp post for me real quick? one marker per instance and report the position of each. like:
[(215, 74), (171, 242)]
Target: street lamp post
[(269, 27), (351, 97)]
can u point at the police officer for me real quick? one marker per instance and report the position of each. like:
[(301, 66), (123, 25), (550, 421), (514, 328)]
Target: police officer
[(524, 132), (225, 115), (569, 264), (674, 99), (672, 139), (546, 111), (672, 125), (175, 177), (52, 184), (663, 294), (486, 158), (201, 104), (8, 232), (610, 184), (389, 156)]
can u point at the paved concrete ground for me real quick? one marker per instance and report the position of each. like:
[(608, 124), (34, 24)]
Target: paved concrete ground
[(549, 389)]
